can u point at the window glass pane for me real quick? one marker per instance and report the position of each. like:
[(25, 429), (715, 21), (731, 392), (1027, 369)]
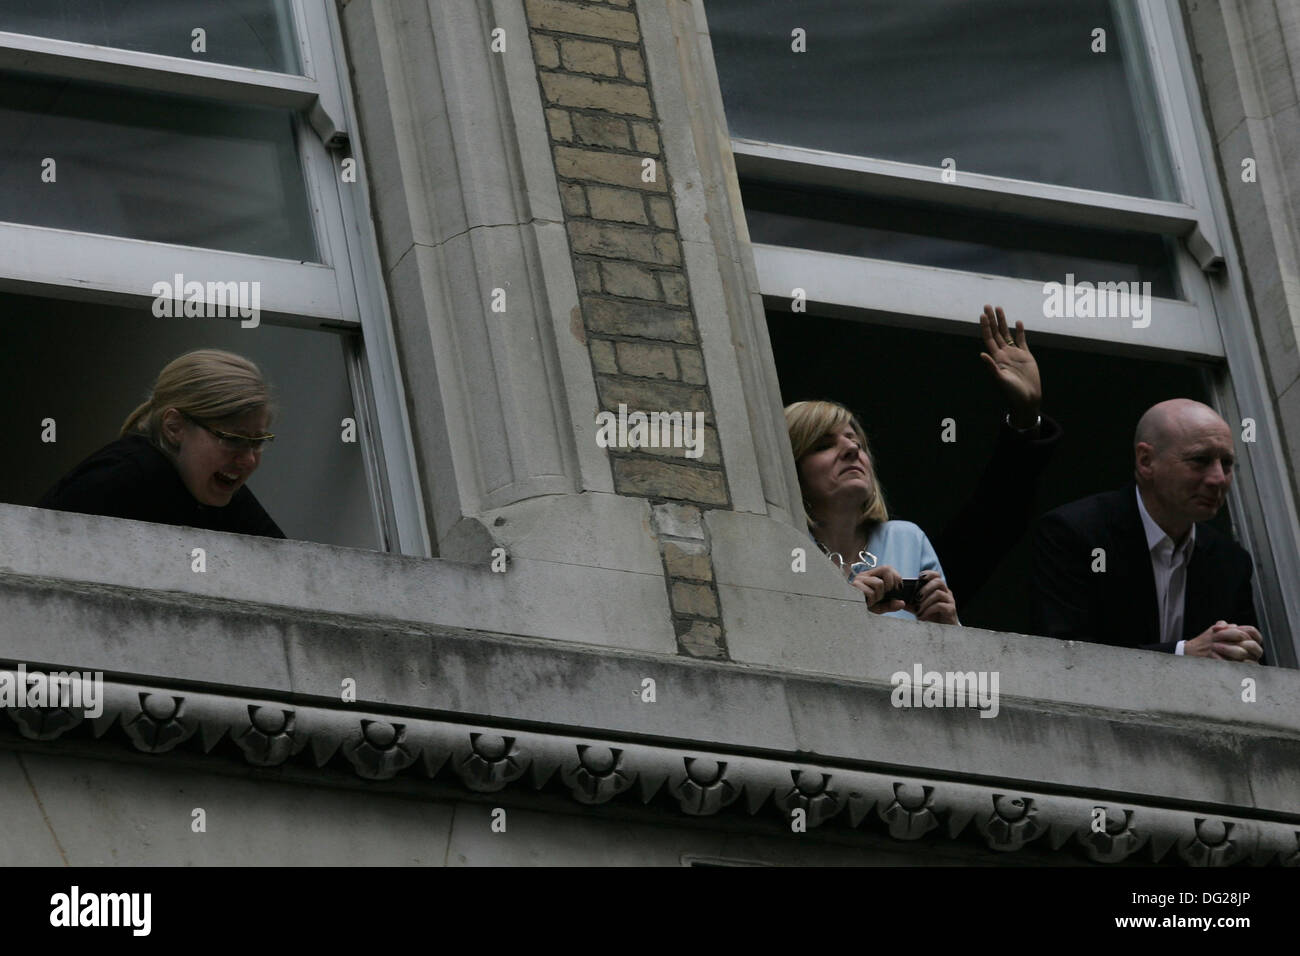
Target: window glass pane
[(150, 166), (87, 366), (1004, 87), (929, 235), (252, 33)]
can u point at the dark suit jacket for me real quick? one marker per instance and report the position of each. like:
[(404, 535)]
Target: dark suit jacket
[(999, 510), (1119, 606)]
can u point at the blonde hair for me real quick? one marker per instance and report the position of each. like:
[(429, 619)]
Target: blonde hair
[(809, 423), (206, 384)]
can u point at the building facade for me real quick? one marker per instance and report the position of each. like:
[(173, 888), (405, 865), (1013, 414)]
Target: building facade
[(482, 231)]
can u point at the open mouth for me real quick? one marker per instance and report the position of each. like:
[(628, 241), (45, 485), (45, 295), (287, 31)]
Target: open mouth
[(227, 481)]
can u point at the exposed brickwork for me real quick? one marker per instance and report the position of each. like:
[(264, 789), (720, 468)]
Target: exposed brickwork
[(636, 306)]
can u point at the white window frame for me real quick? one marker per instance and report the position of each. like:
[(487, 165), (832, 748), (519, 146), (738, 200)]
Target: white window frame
[(1203, 324), (342, 292)]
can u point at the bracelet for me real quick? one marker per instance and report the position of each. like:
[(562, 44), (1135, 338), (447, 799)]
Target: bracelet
[(1024, 431)]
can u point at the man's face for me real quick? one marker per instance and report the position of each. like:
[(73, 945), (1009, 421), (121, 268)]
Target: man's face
[(1190, 472)]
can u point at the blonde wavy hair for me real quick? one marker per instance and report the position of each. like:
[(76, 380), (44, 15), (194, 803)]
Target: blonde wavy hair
[(810, 422), (206, 384)]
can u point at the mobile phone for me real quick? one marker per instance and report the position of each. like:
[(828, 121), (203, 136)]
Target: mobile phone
[(906, 592)]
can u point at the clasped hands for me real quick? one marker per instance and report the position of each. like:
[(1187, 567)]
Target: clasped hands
[(933, 602), (1222, 641)]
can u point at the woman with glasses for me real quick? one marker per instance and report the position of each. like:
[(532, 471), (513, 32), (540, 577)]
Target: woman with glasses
[(185, 455), (892, 562)]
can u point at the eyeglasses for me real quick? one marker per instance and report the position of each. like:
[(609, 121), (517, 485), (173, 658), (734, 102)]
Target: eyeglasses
[(232, 442)]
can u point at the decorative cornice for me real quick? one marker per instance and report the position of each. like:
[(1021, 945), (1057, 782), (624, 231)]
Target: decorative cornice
[(488, 759)]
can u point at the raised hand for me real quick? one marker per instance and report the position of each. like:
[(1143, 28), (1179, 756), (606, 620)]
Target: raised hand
[(1009, 360)]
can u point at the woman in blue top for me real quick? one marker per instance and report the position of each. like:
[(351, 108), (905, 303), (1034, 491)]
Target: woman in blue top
[(846, 507)]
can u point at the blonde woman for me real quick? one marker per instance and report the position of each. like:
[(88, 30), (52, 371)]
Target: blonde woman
[(893, 562), (185, 455)]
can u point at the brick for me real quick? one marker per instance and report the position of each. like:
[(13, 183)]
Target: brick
[(630, 281), (645, 395), (582, 92), (615, 241), (646, 137), (589, 21), (588, 274), (612, 317), (691, 362), (674, 286), (633, 65), (688, 560), (645, 360), (612, 169), (619, 205), (667, 249), (678, 521), (696, 599), (557, 121), (545, 52), (701, 639), (602, 356), (661, 212), (583, 56), (705, 442), (571, 197), (653, 478), (601, 130)]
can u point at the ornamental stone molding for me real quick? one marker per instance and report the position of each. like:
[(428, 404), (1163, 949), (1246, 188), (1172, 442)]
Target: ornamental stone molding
[(487, 759)]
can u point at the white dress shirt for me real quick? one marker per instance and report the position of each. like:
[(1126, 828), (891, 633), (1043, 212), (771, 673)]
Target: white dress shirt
[(1169, 564)]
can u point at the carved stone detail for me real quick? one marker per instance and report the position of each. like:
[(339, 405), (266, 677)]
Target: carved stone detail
[(1213, 844), (490, 762), (486, 759), (270, 738), (597, 776), (910, 816), (378, 749), (160, 723), (705, 788), (1013, 823)]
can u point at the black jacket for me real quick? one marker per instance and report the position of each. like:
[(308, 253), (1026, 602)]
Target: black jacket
[(132, 479), (999, 510), (1119, 606)]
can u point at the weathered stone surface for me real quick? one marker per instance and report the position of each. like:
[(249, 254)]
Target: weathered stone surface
[(602, 356), (613, 317), (565, 17), (619, 205), (647, 361), (665, 479), (696, 599), (599, 129), (584, 56), (614, 169), (617, 241), (688, 561), (651, 395), (634, 282), (582, 92)]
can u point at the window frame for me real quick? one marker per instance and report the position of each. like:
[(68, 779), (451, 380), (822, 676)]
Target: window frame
[(342, 293), (1208, 324)]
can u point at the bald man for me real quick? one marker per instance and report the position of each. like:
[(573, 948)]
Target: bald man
[(1136, 567)]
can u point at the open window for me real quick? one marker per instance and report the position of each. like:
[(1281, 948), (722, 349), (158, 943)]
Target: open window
[(901, 164), (197, 151)]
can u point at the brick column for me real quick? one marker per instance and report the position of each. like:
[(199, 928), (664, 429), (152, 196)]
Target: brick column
[(636, 306)]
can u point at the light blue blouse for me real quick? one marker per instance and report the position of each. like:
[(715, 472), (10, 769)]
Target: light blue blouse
[(905, 548)]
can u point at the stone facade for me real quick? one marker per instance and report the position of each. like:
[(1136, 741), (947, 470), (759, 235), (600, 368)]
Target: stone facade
[(647, 655)]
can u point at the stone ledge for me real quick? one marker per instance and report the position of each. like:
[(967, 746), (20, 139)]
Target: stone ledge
[(595, 770)]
